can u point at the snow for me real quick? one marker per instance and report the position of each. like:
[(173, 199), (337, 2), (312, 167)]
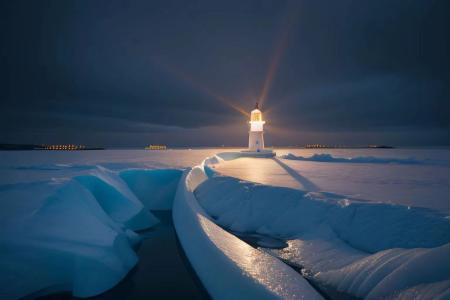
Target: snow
[(76, 233), (228, 267), (361, 248)]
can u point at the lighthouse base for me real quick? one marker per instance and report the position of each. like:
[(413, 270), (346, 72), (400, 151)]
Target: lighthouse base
[(265, 153), (256, 140)]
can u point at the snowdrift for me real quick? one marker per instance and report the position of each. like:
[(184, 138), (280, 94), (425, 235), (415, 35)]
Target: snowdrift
[(228, 267), (358, 159), (76, 234), (368, 250)]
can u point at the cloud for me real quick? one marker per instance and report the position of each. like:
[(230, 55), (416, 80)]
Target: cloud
[(110, 69), (377, 102)]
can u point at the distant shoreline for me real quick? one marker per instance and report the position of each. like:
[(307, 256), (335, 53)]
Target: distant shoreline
[(29, 147), (24, 147)]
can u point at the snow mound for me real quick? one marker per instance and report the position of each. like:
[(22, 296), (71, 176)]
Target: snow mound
[(323, 157), (228, 267), (365, 249), (76, 234), (382, 275)]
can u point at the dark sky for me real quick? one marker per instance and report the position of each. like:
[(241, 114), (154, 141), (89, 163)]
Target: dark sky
[(130, 73)]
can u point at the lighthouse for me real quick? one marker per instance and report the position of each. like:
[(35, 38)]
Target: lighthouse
[(256, 137), (256, 133)]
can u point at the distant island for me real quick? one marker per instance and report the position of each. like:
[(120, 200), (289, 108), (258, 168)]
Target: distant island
[(156, 147), (62, 147)]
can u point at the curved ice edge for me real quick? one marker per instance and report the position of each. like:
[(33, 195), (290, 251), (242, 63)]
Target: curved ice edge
[(228, 267)]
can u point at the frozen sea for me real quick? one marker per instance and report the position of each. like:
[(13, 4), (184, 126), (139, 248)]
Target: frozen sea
[(38, 190), (422, 178), (424, 184)]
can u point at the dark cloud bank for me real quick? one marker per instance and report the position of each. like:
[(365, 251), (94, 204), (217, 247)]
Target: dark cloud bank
[(128, 73)]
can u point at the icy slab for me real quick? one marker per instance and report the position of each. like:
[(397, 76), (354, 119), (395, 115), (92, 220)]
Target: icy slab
[(75, 234), (117, 200), (364, 249), (68, 243), (228, 267)]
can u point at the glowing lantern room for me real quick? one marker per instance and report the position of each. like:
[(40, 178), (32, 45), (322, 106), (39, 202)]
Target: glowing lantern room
[(255, 137), (256, 115)]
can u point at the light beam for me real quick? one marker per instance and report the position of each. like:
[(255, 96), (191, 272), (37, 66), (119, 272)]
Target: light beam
[(182, 76), (280, 49)]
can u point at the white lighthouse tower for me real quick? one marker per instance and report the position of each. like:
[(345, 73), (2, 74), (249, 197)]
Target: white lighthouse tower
[(256, 133), (256, 136)]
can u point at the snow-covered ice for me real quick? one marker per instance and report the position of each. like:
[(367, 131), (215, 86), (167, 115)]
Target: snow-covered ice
[(375, 226), (425, 184), (361, 248)]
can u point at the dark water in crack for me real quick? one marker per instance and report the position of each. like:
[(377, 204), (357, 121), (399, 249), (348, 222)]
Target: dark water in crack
[(162, 272)]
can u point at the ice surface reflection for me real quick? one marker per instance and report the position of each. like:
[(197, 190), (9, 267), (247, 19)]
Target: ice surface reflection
[(421, 185)]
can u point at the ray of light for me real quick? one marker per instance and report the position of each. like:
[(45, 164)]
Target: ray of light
[(273, 68), (185, 78), (278, 52), (180, 75)]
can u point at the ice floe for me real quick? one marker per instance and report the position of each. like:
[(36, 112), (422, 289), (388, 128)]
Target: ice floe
[(368, 250), (76, 234)]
